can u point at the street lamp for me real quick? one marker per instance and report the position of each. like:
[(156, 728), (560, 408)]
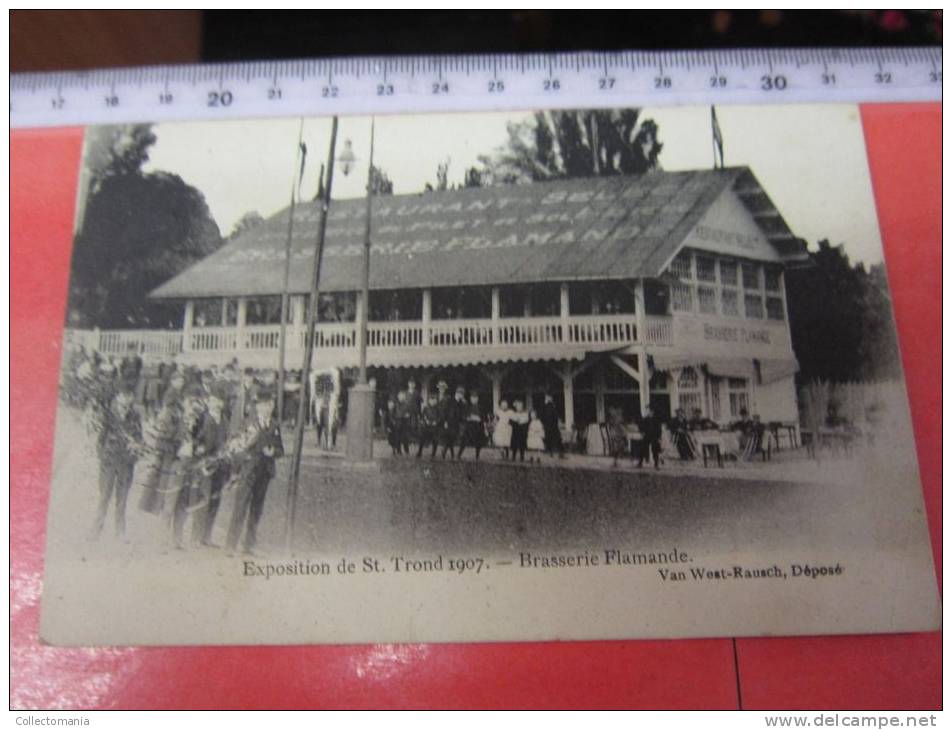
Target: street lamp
[(347, 158), (361, 401)]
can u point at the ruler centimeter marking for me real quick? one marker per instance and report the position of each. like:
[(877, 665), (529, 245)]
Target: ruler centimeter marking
[(382, 85)]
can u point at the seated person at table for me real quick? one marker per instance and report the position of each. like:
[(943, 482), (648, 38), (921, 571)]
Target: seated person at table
[(755, 436), (742, 427), (680, 435), (700, 423)]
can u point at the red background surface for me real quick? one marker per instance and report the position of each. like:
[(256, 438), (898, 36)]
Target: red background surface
[(883, 671)]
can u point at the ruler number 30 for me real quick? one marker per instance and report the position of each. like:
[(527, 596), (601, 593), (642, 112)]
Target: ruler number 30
[(773, 83)]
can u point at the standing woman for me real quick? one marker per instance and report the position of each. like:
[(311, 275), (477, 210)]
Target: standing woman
[(520, 431), (502, 430)]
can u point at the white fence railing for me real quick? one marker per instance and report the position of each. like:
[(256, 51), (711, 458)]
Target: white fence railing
[(145, 343), (586, 330)]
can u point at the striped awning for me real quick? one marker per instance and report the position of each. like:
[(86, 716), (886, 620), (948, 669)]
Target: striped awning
[(773, 370), (448, 357)]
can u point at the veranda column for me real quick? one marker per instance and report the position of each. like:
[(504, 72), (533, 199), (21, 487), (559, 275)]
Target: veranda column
[(564, 311), (297, 323), (495, 375), (641, 320), (568, 394), (187, 326), (358, 317), (675, 392), (427, 315), (240, 326), (599, 396), (495, 315), (641, 331), (644, 391)]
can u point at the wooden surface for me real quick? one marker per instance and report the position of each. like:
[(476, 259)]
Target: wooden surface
[(53, 40)]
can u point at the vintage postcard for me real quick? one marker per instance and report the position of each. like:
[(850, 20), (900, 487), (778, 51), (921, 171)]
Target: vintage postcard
[(549, 375)]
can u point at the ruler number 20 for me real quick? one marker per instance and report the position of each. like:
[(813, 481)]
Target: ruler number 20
[(220, 98)]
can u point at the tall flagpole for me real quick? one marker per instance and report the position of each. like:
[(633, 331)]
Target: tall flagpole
[(285, 294), (360, 400), (294, 473), (365, 284)]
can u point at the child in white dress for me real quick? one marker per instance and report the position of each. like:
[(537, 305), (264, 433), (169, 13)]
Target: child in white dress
[(502, 429), (536, 441)]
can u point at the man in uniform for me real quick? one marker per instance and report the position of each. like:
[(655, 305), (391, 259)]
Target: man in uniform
[(159, 471), (550, 424), (473, 430), (215, 469), (190, 457), (415, 406), (452, 417), (243, 404), (117, 448), (260, 441), (430, 426), (403, 418)]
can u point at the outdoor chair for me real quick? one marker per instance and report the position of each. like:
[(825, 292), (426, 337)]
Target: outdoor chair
[(712, 451), (758, 444), (611, 444), (778, 428)]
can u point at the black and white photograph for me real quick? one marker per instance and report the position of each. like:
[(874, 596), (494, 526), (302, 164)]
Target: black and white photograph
[(497, 376)]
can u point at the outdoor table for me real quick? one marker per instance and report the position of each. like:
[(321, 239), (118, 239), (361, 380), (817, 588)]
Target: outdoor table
[(837, 439), (727, 442), (778, 428)]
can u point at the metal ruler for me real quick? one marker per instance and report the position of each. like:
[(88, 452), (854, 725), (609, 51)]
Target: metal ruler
[(474, 83)]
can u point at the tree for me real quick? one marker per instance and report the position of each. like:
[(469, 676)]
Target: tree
[(380, 182), (117, 150), (841, 319), (442, 178), (575, 143), (251, 219), (473, 178), (880, 347), (139, 230)]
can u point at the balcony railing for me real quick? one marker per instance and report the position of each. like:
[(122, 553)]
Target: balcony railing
[(523, 332)]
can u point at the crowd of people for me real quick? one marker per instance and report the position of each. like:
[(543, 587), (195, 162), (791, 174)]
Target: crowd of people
[(187, 435), (182, 435), (451, 425)]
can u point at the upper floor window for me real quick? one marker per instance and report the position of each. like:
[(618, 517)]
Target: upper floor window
[(681, 266), (739, 396), (207, 313), (754, 306), (775, 308), (707, 299), (689, 393), (751, 274), (682, 299), (730, 306), (706, 268), (728, 272), (712, 285), (264, 310), (231, 312), (601, 297)]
